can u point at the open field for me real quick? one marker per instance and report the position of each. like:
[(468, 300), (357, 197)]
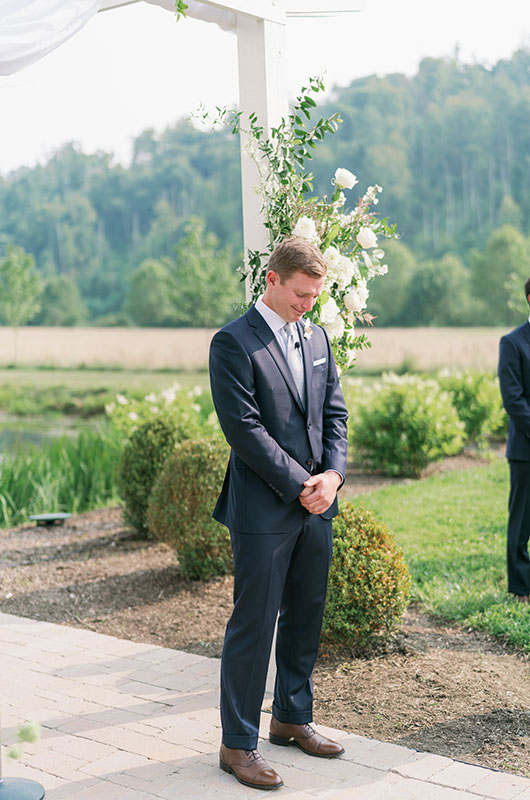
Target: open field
[(187, 348), (118, 380)]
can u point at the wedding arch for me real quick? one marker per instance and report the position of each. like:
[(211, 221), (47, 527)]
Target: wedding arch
[(30, 29)]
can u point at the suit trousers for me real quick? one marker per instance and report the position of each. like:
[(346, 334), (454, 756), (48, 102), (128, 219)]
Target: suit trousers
[(285, 572), (518, 561)]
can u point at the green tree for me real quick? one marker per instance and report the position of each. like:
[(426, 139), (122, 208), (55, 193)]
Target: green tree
[(204, 286), (20, 290), (439, 293), (389, 295), (148, 301), (62, 303), (502, 265), (510, 213)]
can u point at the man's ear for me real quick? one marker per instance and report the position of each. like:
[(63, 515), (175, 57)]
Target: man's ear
[(272, 278)]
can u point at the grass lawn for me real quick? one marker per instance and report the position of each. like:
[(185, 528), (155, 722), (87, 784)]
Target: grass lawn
[(452, 528)]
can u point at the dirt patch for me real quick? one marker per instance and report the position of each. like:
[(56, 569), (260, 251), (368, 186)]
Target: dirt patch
[(443, 689)]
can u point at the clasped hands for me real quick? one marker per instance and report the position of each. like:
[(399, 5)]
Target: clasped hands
[(320, 491)]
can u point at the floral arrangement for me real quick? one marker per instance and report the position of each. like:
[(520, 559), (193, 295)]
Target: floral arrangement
[(348, 238)]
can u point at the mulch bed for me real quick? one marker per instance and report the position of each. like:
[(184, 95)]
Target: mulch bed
[(430, 686)]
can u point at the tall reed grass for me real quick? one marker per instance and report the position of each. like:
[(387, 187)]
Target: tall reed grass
[(71, 475)]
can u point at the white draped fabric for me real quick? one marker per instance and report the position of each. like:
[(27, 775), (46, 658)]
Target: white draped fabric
[(29, 29)]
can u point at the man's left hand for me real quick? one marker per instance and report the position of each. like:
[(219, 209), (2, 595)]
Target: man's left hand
[(320, 491)]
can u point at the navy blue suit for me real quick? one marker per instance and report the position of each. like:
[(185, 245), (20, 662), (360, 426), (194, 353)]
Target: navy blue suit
[(281, 551), (514, 377)]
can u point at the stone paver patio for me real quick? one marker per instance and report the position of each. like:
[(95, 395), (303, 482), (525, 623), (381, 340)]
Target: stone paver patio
[(128, 721)]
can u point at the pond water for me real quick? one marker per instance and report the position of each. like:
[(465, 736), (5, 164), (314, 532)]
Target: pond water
[(17, 433)]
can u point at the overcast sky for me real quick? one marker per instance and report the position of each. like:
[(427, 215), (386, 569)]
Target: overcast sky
[(135, 67)]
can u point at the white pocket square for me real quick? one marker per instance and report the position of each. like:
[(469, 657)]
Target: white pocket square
[(319, 361)]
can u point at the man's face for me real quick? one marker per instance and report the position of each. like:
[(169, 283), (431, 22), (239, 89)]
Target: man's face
[(293, 298)]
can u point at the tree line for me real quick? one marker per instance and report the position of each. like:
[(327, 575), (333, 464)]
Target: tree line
[(157, 242)]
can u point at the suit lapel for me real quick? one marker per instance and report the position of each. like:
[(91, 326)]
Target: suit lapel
[(265, 335), (526, 331)]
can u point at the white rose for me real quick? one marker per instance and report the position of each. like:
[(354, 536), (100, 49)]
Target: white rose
[(335, 329), (367, 238), (329, 312), (345, 179), (378, 253), (355, 299), (353, 302), (332, 257), (346, 272), (132, 415), (305, 228), (362, 291)]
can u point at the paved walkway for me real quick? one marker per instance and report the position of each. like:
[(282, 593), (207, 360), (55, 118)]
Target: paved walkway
[(127, 721)]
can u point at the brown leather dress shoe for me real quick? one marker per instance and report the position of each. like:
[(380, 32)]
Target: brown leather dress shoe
[(522, 598), (249, 768), (305, 737)]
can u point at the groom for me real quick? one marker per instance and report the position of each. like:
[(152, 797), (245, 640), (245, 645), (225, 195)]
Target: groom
[(279, 402)]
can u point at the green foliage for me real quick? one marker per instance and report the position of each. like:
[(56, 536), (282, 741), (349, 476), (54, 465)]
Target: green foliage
[(190, 411), (28, 732), (204, 290), (140, 463), (389, 299), (438, 293), (66, 475), (181, 505), (452, 528), (369, 581), (477, 399), (451, 179), (20, 287), (498, 275), (147, 300), (403, 424), (25, 400), (62, 303)]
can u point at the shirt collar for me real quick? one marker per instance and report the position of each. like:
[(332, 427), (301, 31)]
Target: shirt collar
[(273, 320)]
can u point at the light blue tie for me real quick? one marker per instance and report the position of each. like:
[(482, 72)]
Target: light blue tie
[(294, 358)]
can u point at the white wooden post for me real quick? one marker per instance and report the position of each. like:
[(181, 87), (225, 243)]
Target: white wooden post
[(263, 90)]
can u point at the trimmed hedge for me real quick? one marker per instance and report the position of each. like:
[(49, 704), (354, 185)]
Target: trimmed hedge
[(181, 505), (369, 580), (141, 461)]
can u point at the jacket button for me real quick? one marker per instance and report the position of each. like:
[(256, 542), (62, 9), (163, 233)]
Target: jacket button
[(308, 426)]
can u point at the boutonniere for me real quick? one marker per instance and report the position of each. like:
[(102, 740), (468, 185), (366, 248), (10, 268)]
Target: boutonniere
[(308, 330)]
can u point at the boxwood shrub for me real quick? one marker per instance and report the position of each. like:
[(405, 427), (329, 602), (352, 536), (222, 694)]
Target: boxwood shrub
[(477, 399), (403, 423), (181, 505), (369, 580), (141, 460)]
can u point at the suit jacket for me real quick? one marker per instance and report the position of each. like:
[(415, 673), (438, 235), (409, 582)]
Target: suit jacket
[(276, 440), (514, 378)]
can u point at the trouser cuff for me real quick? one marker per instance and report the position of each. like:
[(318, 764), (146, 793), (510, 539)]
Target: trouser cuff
[(292, 717), (240, 742)]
